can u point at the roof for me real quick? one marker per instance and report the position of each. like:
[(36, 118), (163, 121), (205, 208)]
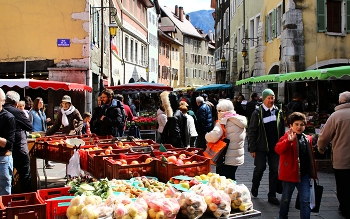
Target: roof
[(167, 28), (184, 26), (163, 34)]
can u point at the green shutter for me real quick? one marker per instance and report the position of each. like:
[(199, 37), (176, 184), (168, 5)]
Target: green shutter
[(348, 16), (321, 16), (273, 23), (266, 28)]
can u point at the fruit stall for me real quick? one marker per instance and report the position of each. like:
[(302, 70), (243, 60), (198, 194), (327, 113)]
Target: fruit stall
[(131, 178)]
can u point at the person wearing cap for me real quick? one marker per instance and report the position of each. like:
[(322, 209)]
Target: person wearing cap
[(69, 118), (266, 127), (7, 141)]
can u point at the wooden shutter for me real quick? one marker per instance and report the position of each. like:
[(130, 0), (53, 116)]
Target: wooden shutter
[(266, 28), (321, 16), (274, 24), (347, 16)]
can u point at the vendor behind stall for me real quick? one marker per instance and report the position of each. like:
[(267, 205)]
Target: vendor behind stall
[(69, 118)]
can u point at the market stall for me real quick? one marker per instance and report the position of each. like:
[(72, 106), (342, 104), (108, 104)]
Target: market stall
[(214, 87), (37, 84), (133, 178)]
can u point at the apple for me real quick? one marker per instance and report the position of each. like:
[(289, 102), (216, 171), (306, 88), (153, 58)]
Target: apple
[(118, 162), (123, 161), (107, 152), (188, 162), (149, 160), (102, 154), (182, 156), (172, 159), (134, 162), (179, 162), (110, 148)]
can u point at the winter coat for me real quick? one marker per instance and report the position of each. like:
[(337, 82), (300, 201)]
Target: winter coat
[(94, 126), (23, 124), (110, 123), (190, 129), (257, 140), (289, 167), (8, 129), (250, 107), (38, 120), (174, 132), (336, 130), (162, 119), (235, 131), (73, 125), (204, 119)]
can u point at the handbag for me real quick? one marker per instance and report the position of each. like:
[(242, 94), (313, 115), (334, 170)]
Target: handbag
[(217, 151), (317, 190)]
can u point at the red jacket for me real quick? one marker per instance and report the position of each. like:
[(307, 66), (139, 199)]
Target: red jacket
[(289, 159)]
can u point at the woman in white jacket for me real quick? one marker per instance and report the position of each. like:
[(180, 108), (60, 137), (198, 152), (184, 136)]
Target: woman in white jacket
[(235, 131), (191, 132), (162, 119)]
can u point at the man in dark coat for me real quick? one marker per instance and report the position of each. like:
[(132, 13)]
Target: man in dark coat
[(204, 122), (250, 107), (7, 140), (20, 154)]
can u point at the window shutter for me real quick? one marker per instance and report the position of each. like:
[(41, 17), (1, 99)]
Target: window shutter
[(266, 28), (321, 16), (348, 16), (273, 24)]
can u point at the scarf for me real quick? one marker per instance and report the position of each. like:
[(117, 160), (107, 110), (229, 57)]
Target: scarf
[(65, 113)]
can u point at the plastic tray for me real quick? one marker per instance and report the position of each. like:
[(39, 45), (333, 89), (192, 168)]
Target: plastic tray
[(116, 171), (23, 206), (55, 208)]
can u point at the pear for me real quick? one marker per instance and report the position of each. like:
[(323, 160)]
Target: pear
[(185, 185)]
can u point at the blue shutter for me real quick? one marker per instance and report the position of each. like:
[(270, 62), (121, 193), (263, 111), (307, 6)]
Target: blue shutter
[(321, 16), (266, 28)]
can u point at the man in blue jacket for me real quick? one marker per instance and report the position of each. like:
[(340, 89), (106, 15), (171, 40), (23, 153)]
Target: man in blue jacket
[(204, 122), (266, 127), (20, 153)]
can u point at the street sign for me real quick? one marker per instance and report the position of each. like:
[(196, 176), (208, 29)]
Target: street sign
[(63, 42)]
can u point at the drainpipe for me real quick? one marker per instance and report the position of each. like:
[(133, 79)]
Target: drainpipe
[(123, 38), (102, 28)]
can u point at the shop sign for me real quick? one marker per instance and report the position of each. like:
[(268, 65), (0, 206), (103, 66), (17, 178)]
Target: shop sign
[(63, 42)]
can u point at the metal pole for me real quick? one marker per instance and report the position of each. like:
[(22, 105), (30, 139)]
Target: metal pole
[(25, 75)]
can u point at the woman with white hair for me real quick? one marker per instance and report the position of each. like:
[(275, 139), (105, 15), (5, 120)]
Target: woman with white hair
[(235, 131)]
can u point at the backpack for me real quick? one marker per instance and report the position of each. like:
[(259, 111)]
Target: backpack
[(121, 117)]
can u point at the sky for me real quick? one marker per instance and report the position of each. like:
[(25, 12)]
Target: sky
[(188, 5)]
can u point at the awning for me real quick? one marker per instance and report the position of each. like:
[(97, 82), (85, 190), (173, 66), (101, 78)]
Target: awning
[(139, 87), (35, 84), (341, 72), (183, 88), (214, 87)]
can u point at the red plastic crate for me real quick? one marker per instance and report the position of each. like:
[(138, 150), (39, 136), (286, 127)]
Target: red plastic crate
[(195, 151), (116, 171), (54, 211), (23, 206), (148, 141), (165, 170), (95, 162)]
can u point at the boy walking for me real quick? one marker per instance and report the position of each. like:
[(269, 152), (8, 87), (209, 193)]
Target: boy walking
[(297, 165)]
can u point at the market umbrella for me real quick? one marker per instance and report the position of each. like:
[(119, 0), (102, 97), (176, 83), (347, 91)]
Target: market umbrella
[(55, 85), (214, 87), (139, 87)]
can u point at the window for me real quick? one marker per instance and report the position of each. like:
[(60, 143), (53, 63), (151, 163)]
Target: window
[(172, 53), (132, 50), (194, 73), (96, 26), (177, 55), (191, 72), (163, 48), (186, 57), (270, 26), (164, 69), (199, 73), (167, 52), (334, 16), (127, 52), (232, 8), (136, 53), (251, 32), (239, 39), (256, 25), (186, 72)]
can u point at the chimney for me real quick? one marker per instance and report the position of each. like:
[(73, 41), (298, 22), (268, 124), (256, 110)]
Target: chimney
[(188, 17), (181, 13), (176, 10)]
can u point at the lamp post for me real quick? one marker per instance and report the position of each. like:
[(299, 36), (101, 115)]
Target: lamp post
[(244, 42)]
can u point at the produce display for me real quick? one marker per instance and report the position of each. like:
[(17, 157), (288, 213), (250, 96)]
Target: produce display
[(192, 205)]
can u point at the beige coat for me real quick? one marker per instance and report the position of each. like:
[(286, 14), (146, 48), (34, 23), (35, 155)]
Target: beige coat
[(235, 131), (336, 130)]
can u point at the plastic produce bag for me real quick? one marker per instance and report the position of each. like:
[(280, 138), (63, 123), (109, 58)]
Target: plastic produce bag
[(240, 197), (74, 164), (192, 205)]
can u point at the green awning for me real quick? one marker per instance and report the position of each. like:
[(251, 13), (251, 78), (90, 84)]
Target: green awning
[(268, 78), (302, 76), (244, 81), (342, 72)]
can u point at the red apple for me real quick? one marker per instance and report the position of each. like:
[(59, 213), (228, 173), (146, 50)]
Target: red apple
[(179, 162), (172, 159)]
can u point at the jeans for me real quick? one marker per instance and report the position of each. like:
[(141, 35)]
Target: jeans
[(342, 179), (227, 170), (120, 132), (260, 166), (6, 171), (21, 161), (304, 196)]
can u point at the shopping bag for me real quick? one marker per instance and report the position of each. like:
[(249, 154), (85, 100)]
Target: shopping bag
[(74, 164), (217, 151), (318, 191)]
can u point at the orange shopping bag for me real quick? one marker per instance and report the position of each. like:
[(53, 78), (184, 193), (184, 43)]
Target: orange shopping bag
[(217, 151)]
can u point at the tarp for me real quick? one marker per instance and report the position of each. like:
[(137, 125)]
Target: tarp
[(183, 88), (341, 72), (139, 87), (35, 84), (214, 87)]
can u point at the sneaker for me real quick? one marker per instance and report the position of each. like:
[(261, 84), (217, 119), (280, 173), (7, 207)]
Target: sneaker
[(254, 191), (49, 165), (274, 201)]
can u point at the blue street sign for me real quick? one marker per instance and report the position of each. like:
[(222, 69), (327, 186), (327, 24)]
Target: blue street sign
[(63, 42)]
